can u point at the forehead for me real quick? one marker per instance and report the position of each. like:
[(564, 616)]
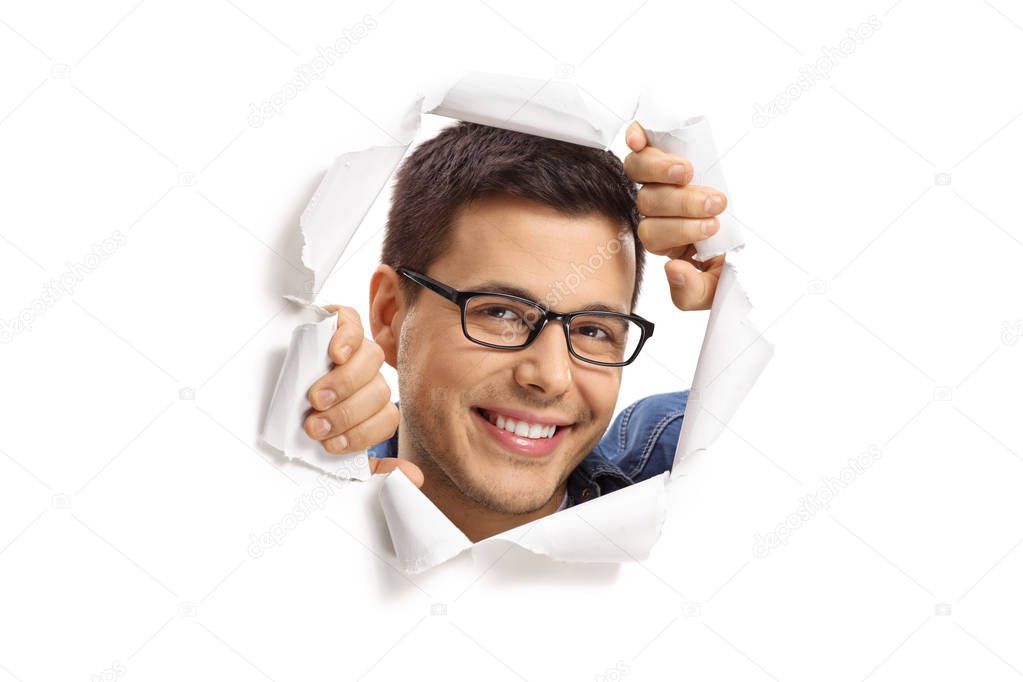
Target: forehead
[(566, 261)]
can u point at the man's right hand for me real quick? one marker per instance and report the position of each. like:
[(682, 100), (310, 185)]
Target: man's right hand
[(352, 408)]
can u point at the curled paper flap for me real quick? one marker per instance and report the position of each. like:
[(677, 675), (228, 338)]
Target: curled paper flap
[(305, 362), (619, 526), (337, 207), (692, 139), (733, 355), (344, 197), (554, 108), (629, 519)]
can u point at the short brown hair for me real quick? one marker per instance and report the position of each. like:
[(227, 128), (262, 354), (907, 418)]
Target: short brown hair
[(467, 160)]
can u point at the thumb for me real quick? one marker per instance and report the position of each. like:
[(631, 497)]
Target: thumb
[(385, 465)]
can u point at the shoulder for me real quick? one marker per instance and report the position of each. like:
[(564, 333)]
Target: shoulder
[(643, 438)]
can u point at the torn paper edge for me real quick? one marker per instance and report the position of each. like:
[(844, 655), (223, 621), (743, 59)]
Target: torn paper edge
[(692, 140), (306, 361), (558, 115), (594, 532), (733, 355)]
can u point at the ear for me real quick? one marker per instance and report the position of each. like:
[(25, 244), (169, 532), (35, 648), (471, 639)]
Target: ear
[(386, 311)]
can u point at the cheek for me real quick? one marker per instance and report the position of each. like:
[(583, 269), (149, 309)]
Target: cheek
[(600, 393)]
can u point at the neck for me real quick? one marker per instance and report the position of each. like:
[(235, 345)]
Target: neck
[(475, 520)]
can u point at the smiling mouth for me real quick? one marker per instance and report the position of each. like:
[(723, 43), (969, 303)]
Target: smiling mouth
[(539, 441), (520, 428)]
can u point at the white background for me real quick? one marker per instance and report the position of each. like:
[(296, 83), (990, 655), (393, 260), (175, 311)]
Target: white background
[(883, 251)]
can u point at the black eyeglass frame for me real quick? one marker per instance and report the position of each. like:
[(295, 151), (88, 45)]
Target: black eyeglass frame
[(460, 298)]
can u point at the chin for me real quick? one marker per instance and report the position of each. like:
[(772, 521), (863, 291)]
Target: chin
[(516, 500)]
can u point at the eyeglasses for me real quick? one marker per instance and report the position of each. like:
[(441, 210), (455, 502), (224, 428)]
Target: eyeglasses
[(510, 322)]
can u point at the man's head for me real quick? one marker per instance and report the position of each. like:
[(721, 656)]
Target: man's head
[(554, 221)]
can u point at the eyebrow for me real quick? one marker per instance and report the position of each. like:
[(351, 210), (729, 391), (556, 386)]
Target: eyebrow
[(500, 287)]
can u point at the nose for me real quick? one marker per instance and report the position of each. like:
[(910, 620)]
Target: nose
[(545, 366)]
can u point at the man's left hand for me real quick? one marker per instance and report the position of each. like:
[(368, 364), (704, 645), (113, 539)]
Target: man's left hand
[(675, 215)]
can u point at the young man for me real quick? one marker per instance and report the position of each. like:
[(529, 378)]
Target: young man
[(492, 238)]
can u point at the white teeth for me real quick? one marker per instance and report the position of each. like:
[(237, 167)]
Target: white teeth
[(521, 428)]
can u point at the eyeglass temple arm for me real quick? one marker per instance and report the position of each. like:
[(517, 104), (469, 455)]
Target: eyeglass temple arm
[(431, 284)]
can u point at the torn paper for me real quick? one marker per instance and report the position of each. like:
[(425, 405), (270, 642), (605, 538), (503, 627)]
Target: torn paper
[(554, 108), (629, 519), (306, 361), (619, 526), (691, 139), (733, 355), (344, 197)]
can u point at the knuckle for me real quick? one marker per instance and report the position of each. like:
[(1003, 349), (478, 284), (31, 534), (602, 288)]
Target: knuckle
[(376, 351), (644, 200), (692, 202), (630, 163), (645, 232), (395, 418), (381, 388), (342, 385), (341, 417), (335, 353)]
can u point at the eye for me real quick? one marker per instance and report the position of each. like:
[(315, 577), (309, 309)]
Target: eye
[(597, 331), (495, 310)]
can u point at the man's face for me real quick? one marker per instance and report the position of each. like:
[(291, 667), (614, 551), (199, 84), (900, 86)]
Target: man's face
[(564, 262)]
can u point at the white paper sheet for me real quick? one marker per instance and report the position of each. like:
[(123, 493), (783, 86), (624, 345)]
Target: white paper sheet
[(692, 139), (344, 197), (733, 355), (629, 521), (307, 360), (554, 109), (619, 526)]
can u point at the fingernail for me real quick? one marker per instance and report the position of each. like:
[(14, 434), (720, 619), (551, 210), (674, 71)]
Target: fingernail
[(321, 427), (325, 398), (341, 442), (713, 203), (345, 353), (676, 172), (710, 227)]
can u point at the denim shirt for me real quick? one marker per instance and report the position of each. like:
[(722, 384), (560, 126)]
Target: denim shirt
[(639, 444)]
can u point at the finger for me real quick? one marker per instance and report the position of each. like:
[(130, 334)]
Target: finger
[(344, 380), (342, 416), (663, 235), (691, 288), (653, 165), (691, 201), (348, 336), (378, 428), (635, 136), (384, 465)]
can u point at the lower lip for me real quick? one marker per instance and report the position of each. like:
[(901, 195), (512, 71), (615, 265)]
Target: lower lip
[(533, 447)]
